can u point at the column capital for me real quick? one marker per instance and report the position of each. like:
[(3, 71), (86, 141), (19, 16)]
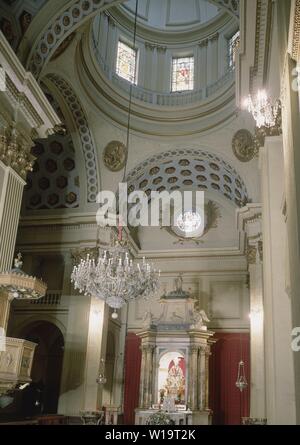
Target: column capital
[(150, 46), (147, 348), (15, 151), (213, 37), (161, 49), (203, 43)]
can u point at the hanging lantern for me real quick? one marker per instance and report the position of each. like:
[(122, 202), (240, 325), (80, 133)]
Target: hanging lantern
[(101, 380), (241, 382)]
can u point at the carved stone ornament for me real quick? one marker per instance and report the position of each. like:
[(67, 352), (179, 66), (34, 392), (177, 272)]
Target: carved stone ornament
[(115, 156), (16, 153), (243, 145)]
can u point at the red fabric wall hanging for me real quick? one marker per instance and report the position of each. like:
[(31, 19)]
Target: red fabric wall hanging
[(227, 402), (133, 357)]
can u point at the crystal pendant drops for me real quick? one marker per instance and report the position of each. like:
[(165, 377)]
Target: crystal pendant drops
[(264, 113), (241, 382), (115, 278)]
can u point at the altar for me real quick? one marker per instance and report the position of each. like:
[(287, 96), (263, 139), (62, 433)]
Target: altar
[(175, 362)]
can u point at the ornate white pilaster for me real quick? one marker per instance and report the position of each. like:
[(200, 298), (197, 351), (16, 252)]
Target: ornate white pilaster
[(250, 225), (280, 378)]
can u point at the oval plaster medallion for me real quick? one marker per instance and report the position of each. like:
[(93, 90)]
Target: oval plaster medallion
[(243, 145), (115, 156)]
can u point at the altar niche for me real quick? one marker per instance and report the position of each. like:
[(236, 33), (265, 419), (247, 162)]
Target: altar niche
[(175, 361), (172, 379)]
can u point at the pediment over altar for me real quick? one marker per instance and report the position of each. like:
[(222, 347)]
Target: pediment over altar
[(179, 312)]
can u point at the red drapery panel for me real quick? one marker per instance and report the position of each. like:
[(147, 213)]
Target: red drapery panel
[(227, 402), (133, 358)]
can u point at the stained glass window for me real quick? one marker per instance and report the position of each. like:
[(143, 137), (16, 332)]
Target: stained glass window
[(183, 74), (234, 44), (126, 62)]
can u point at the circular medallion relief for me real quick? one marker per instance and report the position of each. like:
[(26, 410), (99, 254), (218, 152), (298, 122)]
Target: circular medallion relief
[(243, 145), (115, 156)]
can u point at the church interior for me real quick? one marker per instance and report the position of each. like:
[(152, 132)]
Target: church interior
[(192, 322)]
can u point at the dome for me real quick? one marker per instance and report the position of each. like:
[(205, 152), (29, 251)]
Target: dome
[(171, 15)]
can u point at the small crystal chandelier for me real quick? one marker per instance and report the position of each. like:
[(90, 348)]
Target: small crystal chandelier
[(101, 380), (114, 277), (264, 113), (241, 382)]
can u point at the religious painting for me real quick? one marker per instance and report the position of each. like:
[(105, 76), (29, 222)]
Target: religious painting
[(172, 378), (126, 62), (183, 74)]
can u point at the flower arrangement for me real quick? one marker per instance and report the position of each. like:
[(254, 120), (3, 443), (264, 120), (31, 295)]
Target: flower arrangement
[(160, 418)]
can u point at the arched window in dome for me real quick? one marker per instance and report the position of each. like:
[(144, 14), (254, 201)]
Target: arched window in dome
[(182, 74), (127, 62)]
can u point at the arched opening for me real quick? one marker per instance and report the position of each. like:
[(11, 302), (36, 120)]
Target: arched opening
[(41, 397)]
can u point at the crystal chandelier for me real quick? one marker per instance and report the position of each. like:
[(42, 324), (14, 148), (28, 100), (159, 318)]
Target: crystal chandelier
[(114, 277), (264, 113)]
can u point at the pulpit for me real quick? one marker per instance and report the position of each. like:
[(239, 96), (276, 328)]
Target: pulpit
[(175, 362)]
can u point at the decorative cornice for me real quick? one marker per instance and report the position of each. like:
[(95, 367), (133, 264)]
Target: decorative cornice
[(23, 93)]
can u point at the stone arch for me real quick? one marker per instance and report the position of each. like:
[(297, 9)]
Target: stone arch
[(43, 393), (30, 321), (191, 169), (88, 145)]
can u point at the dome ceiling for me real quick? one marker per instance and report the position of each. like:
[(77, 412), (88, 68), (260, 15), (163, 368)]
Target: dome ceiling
[(172, 15)]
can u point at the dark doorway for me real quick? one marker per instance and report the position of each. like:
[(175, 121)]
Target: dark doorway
[(41, 397)]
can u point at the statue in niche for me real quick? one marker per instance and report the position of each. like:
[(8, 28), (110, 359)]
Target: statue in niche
[(175, 384)]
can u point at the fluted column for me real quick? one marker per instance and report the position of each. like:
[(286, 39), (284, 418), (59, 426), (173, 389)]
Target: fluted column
[(149, 374), (201, 378), (142, 379), (150, 62), (207, 355), (163, 82), (250, 222), (212, 56), (203, 63), (193, 381)]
